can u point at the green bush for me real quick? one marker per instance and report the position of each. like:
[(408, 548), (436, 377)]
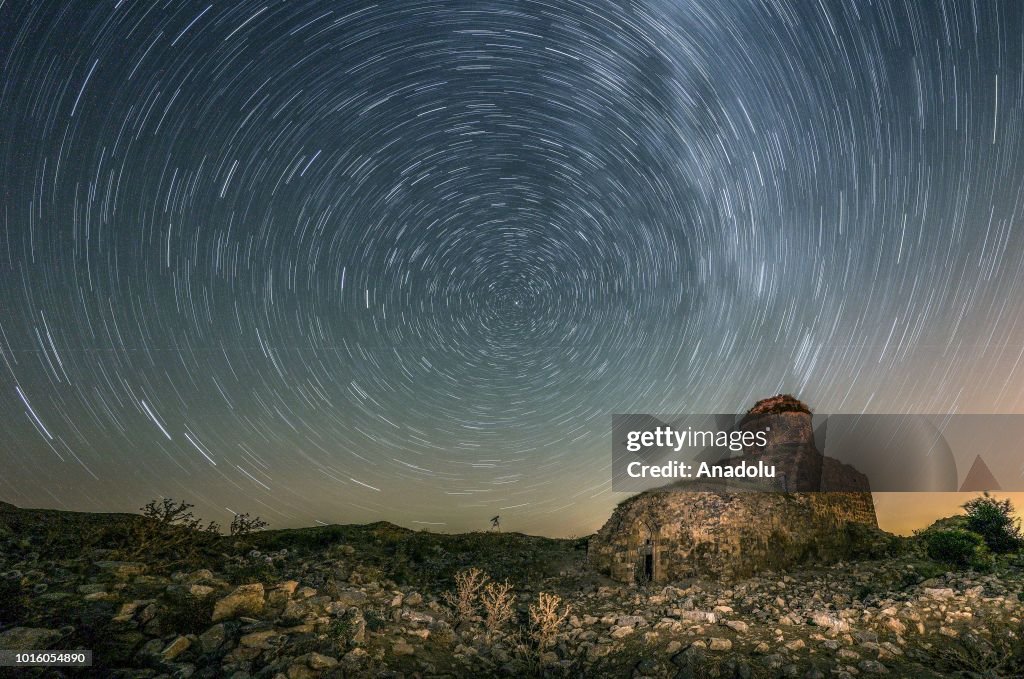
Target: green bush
[(993, 520), (959, 548)]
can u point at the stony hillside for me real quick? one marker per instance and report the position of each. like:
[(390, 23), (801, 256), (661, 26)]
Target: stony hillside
[(370, 601)]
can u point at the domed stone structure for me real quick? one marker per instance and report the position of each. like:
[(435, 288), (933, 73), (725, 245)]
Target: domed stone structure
[(815, 509)]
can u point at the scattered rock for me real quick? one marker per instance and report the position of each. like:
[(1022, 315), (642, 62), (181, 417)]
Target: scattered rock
[(261, 640), (894, 625), (318, 661), (872, 667), (355, 656), (28, 638), (718, 644), (195, 577), (829, 621), (245, 600), (621, 632), (941, 593), (122, 569), (402, 647), (345, 617), (213, 638), (698, 616), (737, 626), (175, 648)]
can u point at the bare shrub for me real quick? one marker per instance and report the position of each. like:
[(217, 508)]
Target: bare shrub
[(1002, 655), (546, 617), (167, 513), (168, 528), (464, 601), (243, 524), (499, 603)]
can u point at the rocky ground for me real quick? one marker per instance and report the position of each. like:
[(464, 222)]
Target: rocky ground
[(355, 601)]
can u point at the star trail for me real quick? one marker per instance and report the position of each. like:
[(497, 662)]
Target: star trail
[(342, 262)]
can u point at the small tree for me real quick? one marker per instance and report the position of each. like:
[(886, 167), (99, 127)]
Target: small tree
[(167, 513), (993, 520), (168, 528)]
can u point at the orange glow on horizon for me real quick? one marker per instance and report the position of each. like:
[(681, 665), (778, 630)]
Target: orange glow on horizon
[(903, 513)]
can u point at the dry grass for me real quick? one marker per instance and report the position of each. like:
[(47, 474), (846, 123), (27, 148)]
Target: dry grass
[(546, 618), (1000, 656), (468, 585), (474, 590), (499, 604)]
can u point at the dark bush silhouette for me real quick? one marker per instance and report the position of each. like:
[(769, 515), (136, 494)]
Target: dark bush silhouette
[(169, 533), (168, 513), (243, 524), (959, 548), (993, 520)]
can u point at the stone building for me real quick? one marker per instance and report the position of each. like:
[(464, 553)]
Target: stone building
[(815, 509)]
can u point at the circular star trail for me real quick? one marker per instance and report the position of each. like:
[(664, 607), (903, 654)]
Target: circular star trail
[(339, 262)]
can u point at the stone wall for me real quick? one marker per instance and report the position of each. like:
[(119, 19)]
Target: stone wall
[(727, 534)]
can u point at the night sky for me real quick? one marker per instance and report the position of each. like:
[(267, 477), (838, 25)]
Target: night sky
[(342, 262)]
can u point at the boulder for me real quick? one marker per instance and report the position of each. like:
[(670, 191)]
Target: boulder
[(829, 621), (213, 638), (796, 645), (244, 600), (718, 644), (737, 626), (264, 639), (175, 648)]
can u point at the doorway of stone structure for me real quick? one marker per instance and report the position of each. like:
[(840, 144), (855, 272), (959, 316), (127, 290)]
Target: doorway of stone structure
[(645, 568)]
